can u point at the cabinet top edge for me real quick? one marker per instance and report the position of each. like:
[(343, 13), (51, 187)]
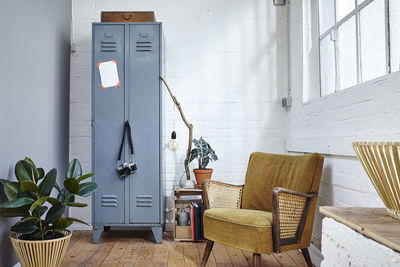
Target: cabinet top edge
[(126, 23)]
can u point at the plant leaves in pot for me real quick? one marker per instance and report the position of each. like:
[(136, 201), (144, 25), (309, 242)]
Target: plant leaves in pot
[(40, 237), (204, 154)]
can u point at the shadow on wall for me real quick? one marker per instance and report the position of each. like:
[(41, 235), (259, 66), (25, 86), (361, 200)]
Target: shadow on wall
[(324, 199)]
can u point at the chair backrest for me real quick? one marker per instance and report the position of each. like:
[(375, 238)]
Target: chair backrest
[(266, 171)]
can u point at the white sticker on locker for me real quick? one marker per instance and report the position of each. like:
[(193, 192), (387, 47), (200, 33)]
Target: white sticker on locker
[(109, 74)]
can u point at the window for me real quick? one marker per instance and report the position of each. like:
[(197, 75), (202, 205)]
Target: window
[(358, 41)]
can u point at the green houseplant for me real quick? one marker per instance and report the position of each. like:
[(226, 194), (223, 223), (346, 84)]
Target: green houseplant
[(204, 154), (40, 237)]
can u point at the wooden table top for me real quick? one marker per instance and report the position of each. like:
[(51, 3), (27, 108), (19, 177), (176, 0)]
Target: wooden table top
[(180, 189), (372, 222)]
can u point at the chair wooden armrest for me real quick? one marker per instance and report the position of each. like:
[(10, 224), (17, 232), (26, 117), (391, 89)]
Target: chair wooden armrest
[(221, 195), (290, 211)]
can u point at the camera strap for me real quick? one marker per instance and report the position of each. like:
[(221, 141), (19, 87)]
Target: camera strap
[(127, 128)]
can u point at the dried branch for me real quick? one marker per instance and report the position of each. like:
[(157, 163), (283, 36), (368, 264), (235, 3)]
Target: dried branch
[(190, 126)]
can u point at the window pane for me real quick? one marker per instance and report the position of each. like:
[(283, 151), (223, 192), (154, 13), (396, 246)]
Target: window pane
[(372, 35), (327, 57), (347, 54), (326, 15), (394, 20), (343, 7)]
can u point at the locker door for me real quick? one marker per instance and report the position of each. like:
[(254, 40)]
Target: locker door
[(144, 115), (108, 119)]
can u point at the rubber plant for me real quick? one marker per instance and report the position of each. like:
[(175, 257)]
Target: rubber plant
[(30, 199), (204, 154)]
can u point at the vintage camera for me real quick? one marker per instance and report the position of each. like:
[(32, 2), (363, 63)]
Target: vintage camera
[(126, 169)]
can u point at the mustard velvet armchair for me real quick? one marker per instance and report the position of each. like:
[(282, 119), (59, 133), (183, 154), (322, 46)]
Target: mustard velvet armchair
[(272, 212)]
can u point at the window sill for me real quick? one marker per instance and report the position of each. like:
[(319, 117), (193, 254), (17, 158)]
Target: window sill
[(388, 78)]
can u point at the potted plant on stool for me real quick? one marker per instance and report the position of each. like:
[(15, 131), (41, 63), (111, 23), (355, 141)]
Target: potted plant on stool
[(204, 153), (40, 237)]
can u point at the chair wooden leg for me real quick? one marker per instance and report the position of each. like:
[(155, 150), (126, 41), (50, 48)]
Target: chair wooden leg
[(207, 252), (306, 256), (257, 260)]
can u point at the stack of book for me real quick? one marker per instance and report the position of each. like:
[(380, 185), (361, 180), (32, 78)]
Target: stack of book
[(196, 220)]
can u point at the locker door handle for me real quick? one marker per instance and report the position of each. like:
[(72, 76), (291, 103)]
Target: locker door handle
[(126, 17)]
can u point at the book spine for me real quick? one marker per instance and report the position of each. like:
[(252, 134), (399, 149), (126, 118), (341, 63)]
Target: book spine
[(201, 222), (192, 220), (196, 221)]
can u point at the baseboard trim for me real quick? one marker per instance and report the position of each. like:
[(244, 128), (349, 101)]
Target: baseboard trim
[(316, 255), (81, 227)]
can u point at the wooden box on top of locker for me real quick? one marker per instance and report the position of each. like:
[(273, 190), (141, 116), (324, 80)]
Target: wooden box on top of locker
[(126, 66), (128, 16)]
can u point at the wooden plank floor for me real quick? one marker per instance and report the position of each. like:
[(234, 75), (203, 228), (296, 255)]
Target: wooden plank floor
[(125, 248)]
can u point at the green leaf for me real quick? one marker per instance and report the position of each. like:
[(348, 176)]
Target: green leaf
[(61, 224), (193, 154), (74, 169), (71, 199), (29, 219), (41, 173), (11, 190), (15, 212), (86, 189), (62, 194), (212, 153), (57, 187), (83, 177), (55, 212), (195, 142), (17, 203), (30, 161), (48, 183), (38, 203), (72, 185), (53, 201), (205, 162), (202, 148), (28, 186), (39, 211), (75, 220), (24, 171), (76, 205), (3, 181), (24, 227)]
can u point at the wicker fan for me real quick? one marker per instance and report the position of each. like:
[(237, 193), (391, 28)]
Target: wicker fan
[(382, 164)]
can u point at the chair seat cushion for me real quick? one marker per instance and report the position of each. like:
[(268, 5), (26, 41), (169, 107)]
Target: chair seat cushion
[(249, 230)]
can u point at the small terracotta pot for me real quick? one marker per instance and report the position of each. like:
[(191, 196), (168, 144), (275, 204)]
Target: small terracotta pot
[(201, 175)]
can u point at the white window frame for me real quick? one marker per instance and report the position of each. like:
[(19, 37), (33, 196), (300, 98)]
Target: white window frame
[(334, 29)]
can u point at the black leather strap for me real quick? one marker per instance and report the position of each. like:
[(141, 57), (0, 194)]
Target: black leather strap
[(127, 127)]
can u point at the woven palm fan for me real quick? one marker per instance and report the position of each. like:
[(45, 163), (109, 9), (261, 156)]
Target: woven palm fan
[(382, 164)]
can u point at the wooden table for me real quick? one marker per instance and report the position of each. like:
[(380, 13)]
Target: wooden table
[(371, 222)]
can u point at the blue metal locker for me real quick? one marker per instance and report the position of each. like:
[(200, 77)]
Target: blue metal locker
[(136, 199)]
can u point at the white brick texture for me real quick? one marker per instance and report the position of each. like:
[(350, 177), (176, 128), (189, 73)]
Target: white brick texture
[(226, 63), (342, 246)]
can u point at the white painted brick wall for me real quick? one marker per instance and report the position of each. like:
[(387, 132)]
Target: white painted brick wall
[(342, 246), (226, 63), (328, 125)]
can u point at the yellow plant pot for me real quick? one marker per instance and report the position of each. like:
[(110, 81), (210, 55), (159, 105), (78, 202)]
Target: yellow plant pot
[(381, 161), (41, 253)]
